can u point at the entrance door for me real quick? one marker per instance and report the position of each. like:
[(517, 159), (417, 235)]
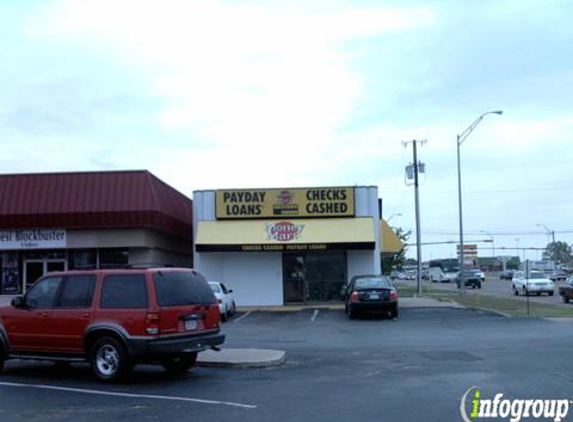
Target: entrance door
[(294, 285), (36, 268), (314, 277)]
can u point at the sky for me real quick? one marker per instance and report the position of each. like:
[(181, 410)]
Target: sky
[(248, 94)]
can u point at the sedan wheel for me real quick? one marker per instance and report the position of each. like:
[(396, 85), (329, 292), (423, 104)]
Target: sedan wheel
[(565, 299), (515, 292), (349, 312), (394, 312)]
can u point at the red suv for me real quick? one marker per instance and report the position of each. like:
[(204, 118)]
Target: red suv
[(113, 319)]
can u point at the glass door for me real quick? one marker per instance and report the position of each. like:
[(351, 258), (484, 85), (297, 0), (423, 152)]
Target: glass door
[(36, 268), (293, 278), (325, 275), (33, 270)]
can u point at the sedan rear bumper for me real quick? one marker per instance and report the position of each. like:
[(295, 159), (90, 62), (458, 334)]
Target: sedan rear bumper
[(373, 307)]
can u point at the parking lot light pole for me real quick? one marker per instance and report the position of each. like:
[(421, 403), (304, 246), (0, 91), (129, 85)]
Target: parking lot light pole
[(460, 139)]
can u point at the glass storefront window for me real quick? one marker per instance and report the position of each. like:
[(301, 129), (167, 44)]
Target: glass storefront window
[(83, 259), (313, 277), (113, 258)]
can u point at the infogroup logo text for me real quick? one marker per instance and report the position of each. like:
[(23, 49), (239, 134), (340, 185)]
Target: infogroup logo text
[(474, 407)]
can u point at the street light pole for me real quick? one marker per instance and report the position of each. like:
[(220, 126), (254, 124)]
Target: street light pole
[(418, 167), (552, 233), (460, 139)]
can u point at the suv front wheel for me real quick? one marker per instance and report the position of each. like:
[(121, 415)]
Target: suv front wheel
[(179, 364), (109, 359)]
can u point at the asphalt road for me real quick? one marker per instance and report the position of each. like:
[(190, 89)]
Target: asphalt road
[(415, 368), (496, 287)]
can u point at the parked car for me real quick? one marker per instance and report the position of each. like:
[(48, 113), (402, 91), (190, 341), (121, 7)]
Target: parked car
[(536, 283), (566, 290), (472, 278), (113, 319), (225, 298), (558, 276), (506, 275), (344, 290), (371, 294)]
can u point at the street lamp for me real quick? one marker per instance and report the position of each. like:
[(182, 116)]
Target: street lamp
[(460, 139), (552, 233), (492, 245), (396, 214)]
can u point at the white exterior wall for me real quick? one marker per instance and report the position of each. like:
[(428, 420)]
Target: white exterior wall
[(256, 278), (360, 263), (366, 205)]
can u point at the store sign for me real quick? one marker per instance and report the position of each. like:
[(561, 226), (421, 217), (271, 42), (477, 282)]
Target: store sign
[(292, 203), (284, 231), (32, 239)]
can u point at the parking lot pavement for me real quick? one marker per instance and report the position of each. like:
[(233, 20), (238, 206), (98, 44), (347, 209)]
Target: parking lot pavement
[(495, 287), (414, 368)]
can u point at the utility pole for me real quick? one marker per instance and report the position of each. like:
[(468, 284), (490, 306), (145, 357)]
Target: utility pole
[(412, 171)]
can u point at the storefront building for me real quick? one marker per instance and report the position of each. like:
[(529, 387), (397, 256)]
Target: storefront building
[(61, 221), (286, 246)]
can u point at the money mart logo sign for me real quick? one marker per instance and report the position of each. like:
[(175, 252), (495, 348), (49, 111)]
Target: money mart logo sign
[(474, 407)]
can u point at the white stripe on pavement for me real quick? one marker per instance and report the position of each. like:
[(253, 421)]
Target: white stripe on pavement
[(130, 395), (314, 315), (242, 316)]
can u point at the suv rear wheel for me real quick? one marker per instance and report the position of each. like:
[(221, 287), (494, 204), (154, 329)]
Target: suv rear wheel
[(109, 359), (179, 364)]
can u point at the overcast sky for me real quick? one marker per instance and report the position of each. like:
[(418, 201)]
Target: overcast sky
[(236, 94)]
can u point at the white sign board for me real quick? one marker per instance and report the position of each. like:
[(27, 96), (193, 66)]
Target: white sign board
[(32, 239)]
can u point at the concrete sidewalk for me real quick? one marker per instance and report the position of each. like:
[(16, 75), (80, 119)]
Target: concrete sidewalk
[(241, 358), (404, 302)]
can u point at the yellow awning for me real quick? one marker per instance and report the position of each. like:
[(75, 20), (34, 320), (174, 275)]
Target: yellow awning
[(287, 234), (391, 243)]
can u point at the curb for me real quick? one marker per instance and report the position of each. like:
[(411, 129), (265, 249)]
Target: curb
[(241, 358), (493, 311)]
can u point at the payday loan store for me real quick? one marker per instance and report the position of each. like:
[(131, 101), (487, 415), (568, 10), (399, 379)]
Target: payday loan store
[(283, 246)]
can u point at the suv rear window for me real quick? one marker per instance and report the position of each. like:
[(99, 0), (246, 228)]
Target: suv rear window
[(124, 291), (175, 288)]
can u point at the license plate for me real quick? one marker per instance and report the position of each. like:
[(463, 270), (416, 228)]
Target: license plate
[(374, 296), (190, 325)]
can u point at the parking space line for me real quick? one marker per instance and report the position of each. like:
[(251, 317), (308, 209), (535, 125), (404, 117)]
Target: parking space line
[(128, 395), (242, 317), (314, 315)]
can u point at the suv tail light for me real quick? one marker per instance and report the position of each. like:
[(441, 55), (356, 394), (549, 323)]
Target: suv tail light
[(152, 323), (393, 295), (354, 296)]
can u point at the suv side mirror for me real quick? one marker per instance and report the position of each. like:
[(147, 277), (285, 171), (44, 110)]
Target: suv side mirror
[(18, 302)]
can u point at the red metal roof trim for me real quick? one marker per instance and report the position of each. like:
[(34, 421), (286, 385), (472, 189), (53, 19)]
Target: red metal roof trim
[(93, 200)]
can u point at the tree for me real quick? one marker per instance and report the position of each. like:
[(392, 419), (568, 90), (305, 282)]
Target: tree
[(559, 252), (396, 260)]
